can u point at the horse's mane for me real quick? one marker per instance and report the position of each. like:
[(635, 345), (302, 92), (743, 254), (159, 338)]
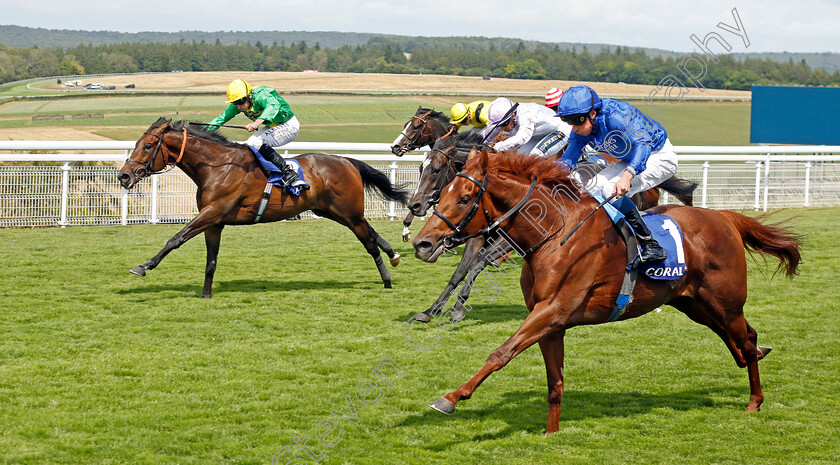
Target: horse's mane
[(462, 140), (198, 130), (546, 170), (436, 115)]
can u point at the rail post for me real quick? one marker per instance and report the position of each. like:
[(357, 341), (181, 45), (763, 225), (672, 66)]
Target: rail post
[(766, 181), (392, 205), (124, 208), (65, 194), (807, 183), (153, 219), (757, 204), (705, 183)]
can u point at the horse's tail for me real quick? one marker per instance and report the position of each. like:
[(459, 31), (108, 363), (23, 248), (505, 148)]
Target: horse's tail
[(375, 180), (772, 239), (682, 189)]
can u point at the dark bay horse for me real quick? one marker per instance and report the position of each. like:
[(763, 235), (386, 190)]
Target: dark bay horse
[(447, 157), (577, 283), (424, 128), (230, 188)]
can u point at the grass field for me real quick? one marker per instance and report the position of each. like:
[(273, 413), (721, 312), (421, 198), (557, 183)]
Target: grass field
[(101, 366), (328, 118)]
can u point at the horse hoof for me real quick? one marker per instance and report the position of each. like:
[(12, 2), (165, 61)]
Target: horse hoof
[(764, 351), (406, 237), (388, 285), (422, 318), (456, 315), (396, 260), (138, 270), (442, 405)]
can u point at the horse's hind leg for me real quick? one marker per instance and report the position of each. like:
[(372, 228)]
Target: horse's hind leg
[(393, 257), (367, 236), (740, 338)]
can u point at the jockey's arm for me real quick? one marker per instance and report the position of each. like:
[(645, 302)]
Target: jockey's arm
[(223, 117), (522, 135)]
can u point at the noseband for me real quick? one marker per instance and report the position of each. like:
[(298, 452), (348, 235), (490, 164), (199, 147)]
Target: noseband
[(455, 238)]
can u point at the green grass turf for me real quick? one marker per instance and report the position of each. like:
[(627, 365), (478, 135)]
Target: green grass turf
[(101, 366), (341, 118)]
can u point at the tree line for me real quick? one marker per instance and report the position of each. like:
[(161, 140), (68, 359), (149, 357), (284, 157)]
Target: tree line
[(383, 55)]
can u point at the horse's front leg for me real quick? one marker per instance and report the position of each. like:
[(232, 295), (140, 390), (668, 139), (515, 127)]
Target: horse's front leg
[(500, 249), (540, 322), (472, 249), (552, 349), (212, 237), (204, 219), (406, 234)]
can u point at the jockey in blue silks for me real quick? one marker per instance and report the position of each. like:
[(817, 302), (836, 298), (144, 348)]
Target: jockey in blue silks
[(645, 156)]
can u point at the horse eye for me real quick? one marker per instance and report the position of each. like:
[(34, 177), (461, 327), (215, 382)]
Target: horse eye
[(436, 170), (465, 199), (148, 147)]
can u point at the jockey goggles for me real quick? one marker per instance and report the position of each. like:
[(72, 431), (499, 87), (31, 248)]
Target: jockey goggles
[(240, 101), (576, 119)]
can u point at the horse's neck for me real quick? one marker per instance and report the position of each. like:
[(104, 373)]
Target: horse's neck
[(203, 158), (547, 210)]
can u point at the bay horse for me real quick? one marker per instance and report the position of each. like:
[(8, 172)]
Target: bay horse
[(424, 128), (577, 283), (447, 157), (230, 188)]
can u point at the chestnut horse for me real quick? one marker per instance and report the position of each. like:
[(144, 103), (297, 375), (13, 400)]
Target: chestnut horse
[(448, 156), (230, 189), (577, 283)]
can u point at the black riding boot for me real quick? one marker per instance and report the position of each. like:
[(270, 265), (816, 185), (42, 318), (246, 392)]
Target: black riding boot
[(289, 174), (651, 250)]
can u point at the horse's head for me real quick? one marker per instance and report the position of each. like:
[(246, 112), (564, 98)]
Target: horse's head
[(422, 129), (455, 218), (149, 155), (448, 156)]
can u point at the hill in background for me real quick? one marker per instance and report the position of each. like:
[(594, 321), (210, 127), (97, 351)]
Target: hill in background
[(19, 36)]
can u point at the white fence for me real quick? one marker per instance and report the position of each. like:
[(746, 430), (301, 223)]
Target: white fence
[(65, 194)]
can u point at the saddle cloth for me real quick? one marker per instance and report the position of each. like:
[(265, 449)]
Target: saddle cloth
[(665, 230), (276, 177)]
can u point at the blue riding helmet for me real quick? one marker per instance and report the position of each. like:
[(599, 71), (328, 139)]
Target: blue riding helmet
[(577, 100)]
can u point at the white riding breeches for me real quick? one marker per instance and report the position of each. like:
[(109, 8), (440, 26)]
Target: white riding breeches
[(660, 166), (276, 136)]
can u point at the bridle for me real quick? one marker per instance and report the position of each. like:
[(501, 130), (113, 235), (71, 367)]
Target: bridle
[(425, 130), (147, 167), (456, 238), (443, 180)]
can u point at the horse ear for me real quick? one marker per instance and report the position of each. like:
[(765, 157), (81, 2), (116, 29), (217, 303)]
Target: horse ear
[(483, 160)]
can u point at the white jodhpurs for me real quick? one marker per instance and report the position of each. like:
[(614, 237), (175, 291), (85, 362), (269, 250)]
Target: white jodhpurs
[(660, 166), (276, 136)]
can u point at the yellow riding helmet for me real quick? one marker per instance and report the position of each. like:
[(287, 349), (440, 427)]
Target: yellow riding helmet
[(238, 89), (458, 113)]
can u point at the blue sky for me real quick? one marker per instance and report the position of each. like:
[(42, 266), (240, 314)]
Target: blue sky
[(770, 25)]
